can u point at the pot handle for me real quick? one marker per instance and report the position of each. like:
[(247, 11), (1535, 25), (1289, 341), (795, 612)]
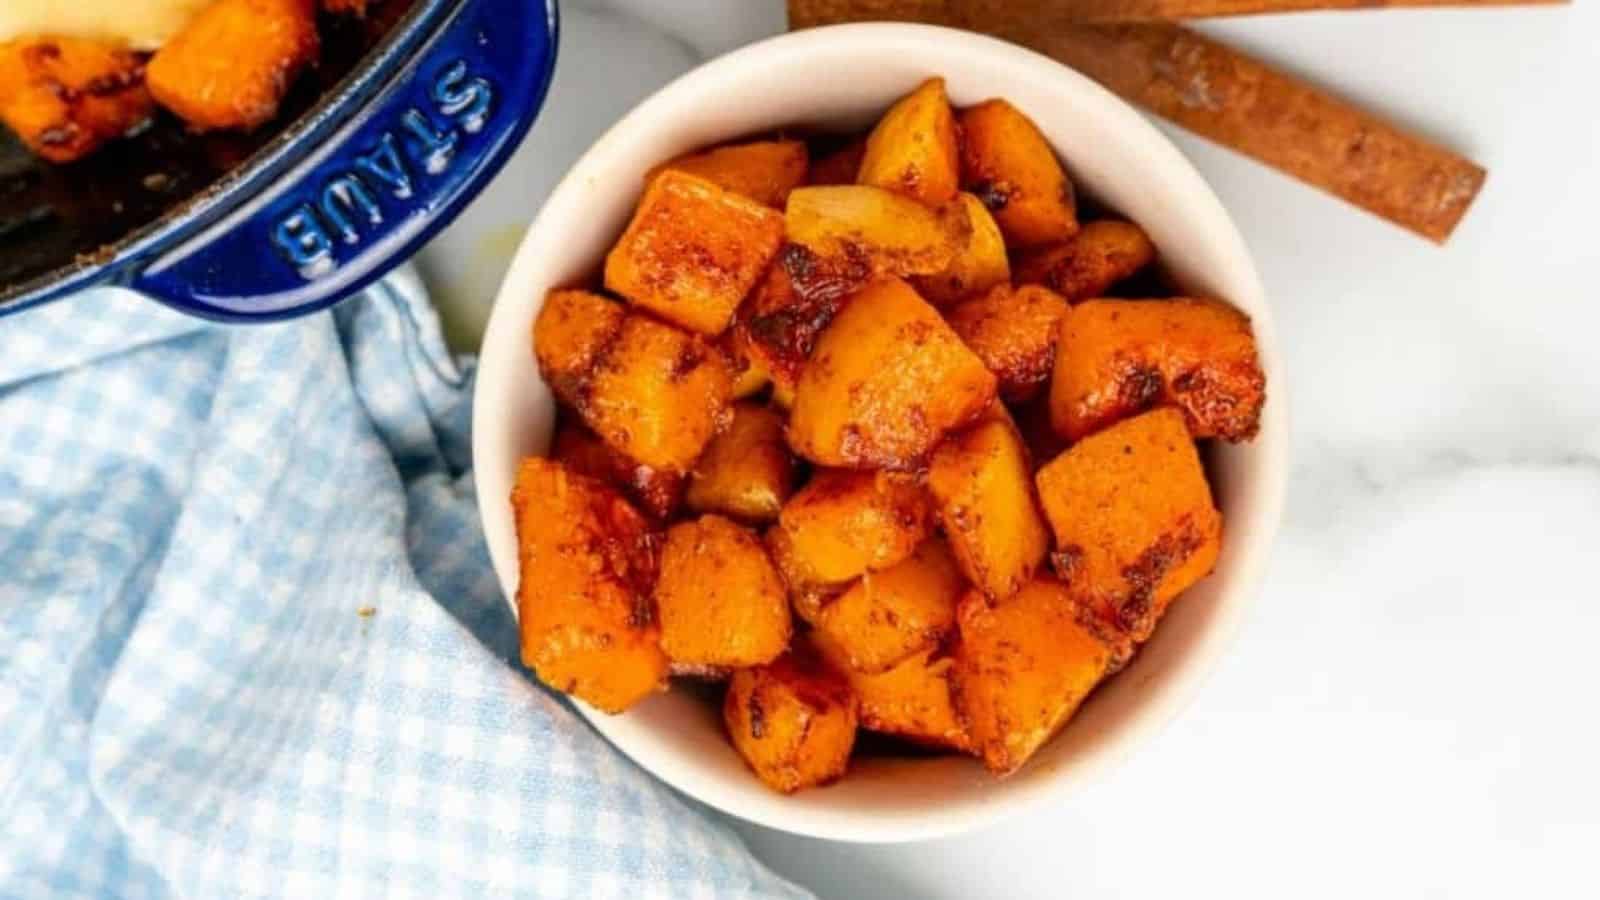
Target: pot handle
[(380, 184)]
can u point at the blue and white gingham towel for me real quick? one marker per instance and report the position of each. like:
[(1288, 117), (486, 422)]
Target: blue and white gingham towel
[(250, 642)]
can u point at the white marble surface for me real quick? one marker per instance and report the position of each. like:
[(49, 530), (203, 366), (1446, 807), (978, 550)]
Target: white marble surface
[(1414, 708)]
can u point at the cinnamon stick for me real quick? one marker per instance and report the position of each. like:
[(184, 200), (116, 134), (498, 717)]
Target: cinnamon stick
[(973, 13), (1238, 102)]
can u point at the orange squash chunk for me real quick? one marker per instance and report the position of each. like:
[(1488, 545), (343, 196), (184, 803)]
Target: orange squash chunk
[(1085, 266), (887, 616), (656, 492), (981, 481), (583, 600), (746, 471), (1022, 668), (793, 720), (1133, 518), (692, 251), (980, 263), (912, 151), (1014, 332), (65, 97), (1117, 358), (887, 379), (844, 523), (1009, 165), (874, 231), (719, 600), (764, 171), (230, 67), (912, 701)]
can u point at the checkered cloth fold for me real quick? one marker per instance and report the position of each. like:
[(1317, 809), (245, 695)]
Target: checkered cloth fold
[(250, 642)]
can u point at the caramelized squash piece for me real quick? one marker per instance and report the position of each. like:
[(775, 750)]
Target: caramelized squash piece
[(746, 472), (887, 616), (838, 167), (793, 720), (692, 251), (65, 97), (764, 171), (874, 231), (887, 379), (779, 323), (583, 600), (1022, 667), (719, 600), (1133, 518), (652, 392), (845, 523), (1009, 165), (912, 701), (1117, 358), (1085, 266), (231, 66), (1014, 331), (981, 481), (912, 151), (979, 265), (657, 493)]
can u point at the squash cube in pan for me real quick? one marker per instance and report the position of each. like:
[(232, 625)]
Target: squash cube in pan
[(912, 701), (584, 597), (793, 720), (1009, 165), (845, 523), (1117, 358), (1100, 255), (65, 97), (1133, 518), (1014, 332), (764, 171), (982, 485), (1022, 667), (230, 67), (746, 471), (657, 394), (718, 598), (880, 230), (652, 490), (887, 616), (778, 324), (887, 379), (692, 251), (979, 264), (912, 151)]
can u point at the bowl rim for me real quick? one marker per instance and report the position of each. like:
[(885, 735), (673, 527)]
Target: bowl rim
[(1156, 711)]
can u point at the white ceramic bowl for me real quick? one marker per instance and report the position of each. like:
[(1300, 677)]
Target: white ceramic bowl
[(844, 77)]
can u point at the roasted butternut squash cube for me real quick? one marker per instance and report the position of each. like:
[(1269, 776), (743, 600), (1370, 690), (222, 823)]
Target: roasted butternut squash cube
[(912, 701), (692, 251), (887, 616), (718, 598), (874, 229), (657, 394), (979, 265), (751, 374), (1133, 518), (1014, 332), (839, 166), (1117, 358), (982, 483), (912, 151), (584, 597), (570, 333), (887, 379), (653, 491), (844, 523), (764, 171), (793, 720), (232, 64), (746, 472), (1009, 165), (1022, 668), (779, 323), (65, 97), (1085, 265)]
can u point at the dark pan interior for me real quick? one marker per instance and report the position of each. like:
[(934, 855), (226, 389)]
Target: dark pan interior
[(53, 215)]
